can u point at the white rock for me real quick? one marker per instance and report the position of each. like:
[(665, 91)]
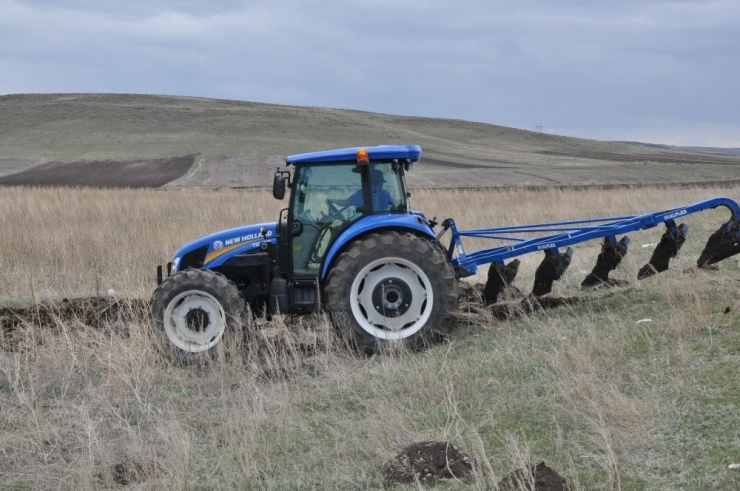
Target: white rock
[(644, 320)]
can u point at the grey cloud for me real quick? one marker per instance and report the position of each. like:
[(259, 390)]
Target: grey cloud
[(585, 68)]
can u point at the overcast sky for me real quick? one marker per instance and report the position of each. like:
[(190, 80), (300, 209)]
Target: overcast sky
[(644, 70)]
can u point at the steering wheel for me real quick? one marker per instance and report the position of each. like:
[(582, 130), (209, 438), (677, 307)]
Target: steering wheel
[(334, 212)]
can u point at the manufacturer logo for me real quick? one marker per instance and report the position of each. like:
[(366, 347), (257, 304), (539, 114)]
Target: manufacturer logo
[(675, 214), (218, 245), (551, 245)]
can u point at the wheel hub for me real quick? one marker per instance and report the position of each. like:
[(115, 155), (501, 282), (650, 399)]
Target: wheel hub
[(392, 297), (197, 320)]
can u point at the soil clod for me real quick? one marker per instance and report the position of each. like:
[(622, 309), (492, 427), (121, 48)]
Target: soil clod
[(427, 462), (533, 478)]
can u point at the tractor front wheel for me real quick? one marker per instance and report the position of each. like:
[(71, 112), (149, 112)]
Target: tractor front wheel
[(193, 310), (392, 286)]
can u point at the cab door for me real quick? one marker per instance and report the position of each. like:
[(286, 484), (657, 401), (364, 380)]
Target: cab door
[(327, 198)]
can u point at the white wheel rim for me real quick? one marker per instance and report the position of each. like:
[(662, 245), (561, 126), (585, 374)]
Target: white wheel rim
[(178, 321), (379, 298)]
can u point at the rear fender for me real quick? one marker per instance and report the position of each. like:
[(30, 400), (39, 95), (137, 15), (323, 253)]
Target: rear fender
[(413, 223)]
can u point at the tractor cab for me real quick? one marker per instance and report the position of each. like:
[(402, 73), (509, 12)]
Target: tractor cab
[(331, 191)]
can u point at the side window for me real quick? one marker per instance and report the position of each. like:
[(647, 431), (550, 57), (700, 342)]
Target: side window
[(386, 188)]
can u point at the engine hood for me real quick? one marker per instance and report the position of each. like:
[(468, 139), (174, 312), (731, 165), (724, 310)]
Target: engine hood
[(220, 246)]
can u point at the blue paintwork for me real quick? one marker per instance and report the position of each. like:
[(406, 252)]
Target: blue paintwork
[(382, 152), (415, 222), (244, 238), (569, 232)]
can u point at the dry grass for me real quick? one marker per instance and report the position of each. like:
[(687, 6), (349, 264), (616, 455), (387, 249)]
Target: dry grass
[(607, 402)]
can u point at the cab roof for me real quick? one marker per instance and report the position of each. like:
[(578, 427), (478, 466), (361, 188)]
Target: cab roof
[(380, 152)]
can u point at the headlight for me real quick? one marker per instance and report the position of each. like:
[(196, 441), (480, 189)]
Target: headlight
[(175, 264)]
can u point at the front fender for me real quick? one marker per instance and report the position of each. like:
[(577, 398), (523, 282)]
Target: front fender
[(415, 223)]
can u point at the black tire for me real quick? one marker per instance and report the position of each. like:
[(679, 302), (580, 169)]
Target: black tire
[(192, 311), (392, 286)]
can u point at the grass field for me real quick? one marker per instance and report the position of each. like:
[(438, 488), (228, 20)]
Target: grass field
[(608, 402)]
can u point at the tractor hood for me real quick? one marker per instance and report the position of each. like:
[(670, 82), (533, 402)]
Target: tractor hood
[(212, 250)]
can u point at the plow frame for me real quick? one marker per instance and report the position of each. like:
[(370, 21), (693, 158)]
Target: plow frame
[(566, 233)]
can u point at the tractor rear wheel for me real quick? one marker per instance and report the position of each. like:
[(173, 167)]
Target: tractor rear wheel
[(392, 286), (193, 310)]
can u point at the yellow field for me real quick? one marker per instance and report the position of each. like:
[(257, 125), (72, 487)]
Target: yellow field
[(78, 242)]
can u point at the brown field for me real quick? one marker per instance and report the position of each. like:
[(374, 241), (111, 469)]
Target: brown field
[(109, 174)]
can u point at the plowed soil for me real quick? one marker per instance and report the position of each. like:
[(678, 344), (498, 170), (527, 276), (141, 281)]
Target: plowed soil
[(427, 462), (111, 314), (97, 313), (109, 174)]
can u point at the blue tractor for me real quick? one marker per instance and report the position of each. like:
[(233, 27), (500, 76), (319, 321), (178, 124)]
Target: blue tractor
[(350, 243)]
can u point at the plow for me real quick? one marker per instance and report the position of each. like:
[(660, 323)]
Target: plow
[(350, 243), (550, 237)]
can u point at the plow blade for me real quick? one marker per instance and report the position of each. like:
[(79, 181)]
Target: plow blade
[(723, 243), (500, 276), (611, 255), (669, 245), (550, 269)]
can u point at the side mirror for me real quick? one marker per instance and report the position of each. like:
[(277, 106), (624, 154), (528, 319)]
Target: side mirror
[(278, 186)]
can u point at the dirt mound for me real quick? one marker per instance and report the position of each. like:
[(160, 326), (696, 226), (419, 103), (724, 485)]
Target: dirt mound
[(533, 478), (107, 174), (427, 462)]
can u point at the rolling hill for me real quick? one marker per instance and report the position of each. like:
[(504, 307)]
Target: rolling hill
[(145, 140)]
